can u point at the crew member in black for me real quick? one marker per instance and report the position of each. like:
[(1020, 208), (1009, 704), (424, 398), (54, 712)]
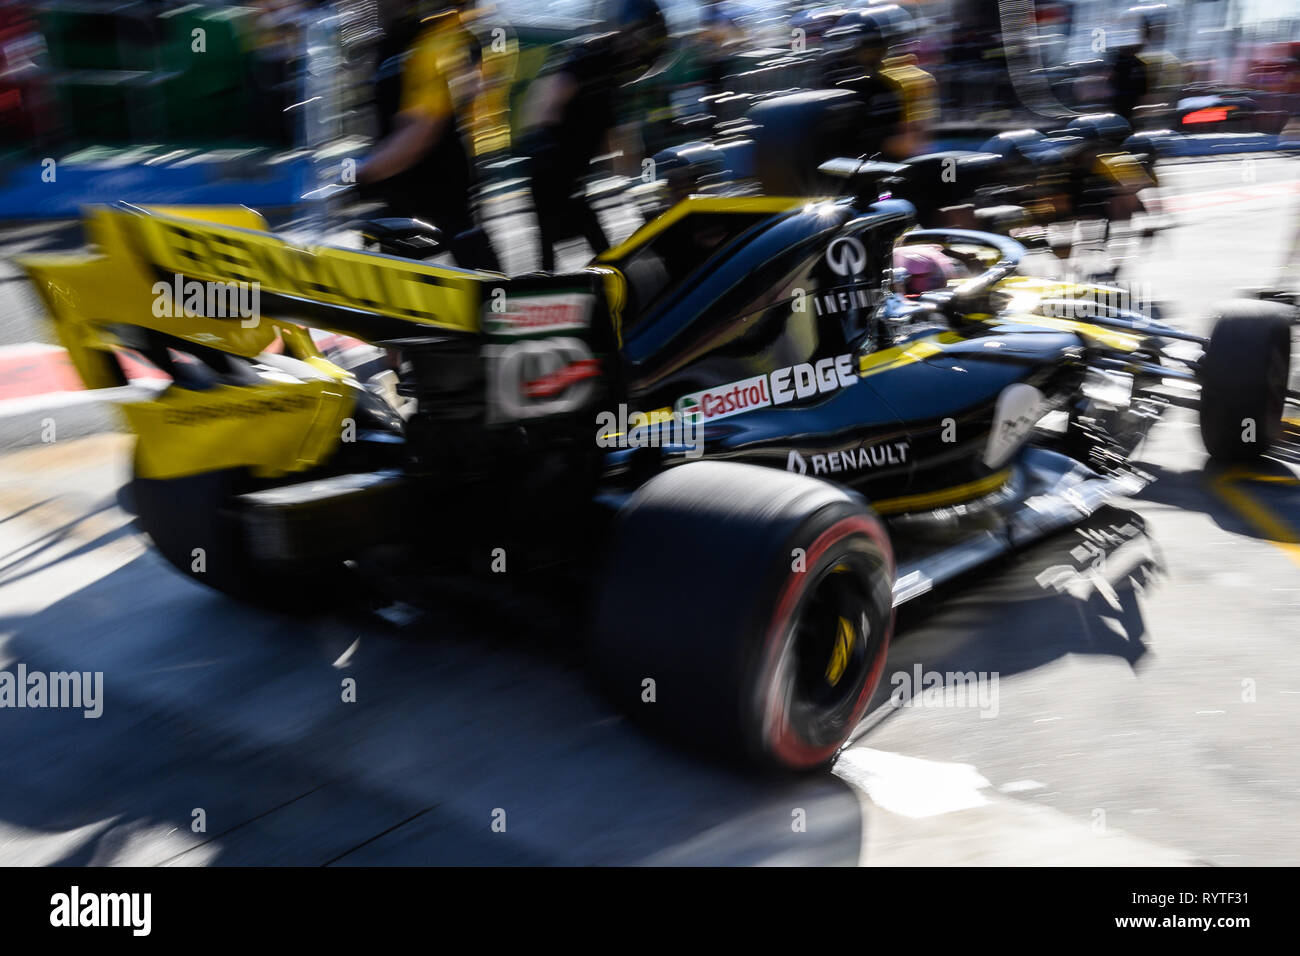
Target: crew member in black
[(1129, 82), (897, 96), (572, 115)]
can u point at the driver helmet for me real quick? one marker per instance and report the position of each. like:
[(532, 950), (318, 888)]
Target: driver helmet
[(926, 266)]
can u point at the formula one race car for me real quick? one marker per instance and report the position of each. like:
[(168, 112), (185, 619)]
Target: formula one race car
[(737, 431)]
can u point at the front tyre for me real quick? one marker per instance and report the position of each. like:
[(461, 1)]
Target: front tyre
[(746, 610), (1244, 375)]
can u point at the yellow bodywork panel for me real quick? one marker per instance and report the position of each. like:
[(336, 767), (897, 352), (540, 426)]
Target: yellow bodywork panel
[(914, 351), (272, 429), (700, 204), (241, 217), (438, 296), (616, 295), (944, 496), (274, 426), (1028, 298)]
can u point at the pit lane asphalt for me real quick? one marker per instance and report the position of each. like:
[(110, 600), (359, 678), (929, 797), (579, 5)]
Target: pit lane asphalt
[(1147, 709)]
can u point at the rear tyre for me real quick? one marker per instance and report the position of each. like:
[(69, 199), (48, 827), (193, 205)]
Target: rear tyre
[(759, 603), (1244, 376), (193, 525)]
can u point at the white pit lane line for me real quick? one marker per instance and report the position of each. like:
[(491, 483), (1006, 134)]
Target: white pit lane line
[(910, 786), (931, 813), (20, 846)]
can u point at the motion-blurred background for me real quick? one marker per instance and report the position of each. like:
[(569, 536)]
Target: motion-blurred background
[(259, 102)]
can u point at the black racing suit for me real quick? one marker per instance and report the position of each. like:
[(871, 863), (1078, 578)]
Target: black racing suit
[(561, 152)]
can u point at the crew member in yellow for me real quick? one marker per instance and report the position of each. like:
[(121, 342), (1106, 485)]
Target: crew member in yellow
[(425, 86)]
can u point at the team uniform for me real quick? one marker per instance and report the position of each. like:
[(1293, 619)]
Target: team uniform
[(421, 79), (1129, 83), (897, 97), (562, 151)]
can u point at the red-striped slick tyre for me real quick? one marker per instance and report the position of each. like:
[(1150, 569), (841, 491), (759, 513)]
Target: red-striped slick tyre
[(746, 610)]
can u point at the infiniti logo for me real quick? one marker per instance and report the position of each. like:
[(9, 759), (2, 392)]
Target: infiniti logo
[(846, 256)]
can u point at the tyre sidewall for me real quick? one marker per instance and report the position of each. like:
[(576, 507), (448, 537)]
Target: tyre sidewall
[(791, 739)]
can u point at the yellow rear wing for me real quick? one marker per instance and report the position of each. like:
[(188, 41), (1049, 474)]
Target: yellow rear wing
[(193, 280), (156, 268)]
